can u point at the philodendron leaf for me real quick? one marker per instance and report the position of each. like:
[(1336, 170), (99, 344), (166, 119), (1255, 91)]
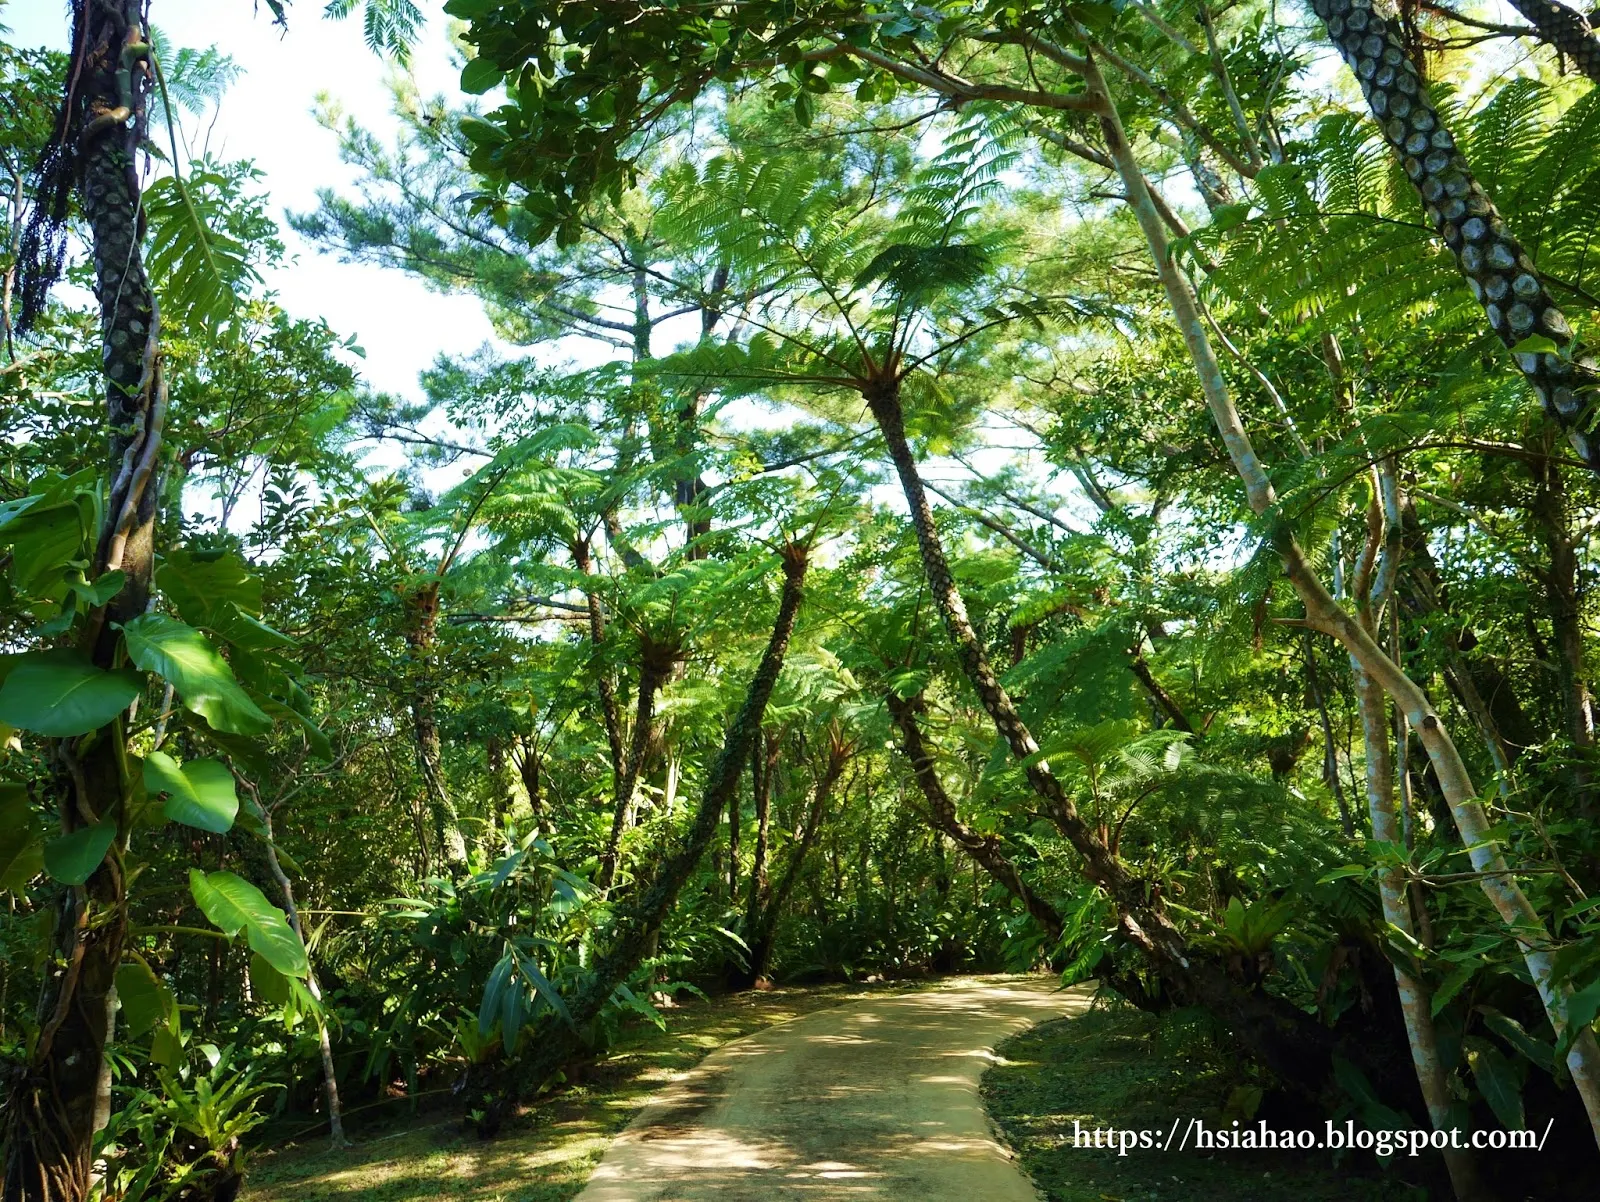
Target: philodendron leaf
[(60, 693), (199, 794), (146, 1000), (234, 904), (21, 842), (72, 858), (181, 655)]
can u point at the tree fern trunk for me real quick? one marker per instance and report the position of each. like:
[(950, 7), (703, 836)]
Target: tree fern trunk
[(984, 850), (637, 926), (1567, 30), (655, 665), (1324, 614), (1500, 273), (50, 1115)]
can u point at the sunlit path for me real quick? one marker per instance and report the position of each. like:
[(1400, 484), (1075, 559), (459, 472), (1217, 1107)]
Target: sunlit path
[(878, 1099)]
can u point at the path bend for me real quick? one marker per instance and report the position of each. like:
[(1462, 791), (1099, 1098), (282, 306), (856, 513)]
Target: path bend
[(875, 1099)]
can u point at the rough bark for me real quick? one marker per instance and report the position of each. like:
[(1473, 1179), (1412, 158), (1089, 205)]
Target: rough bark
[(422, 618), (1325, 615), (584, 562), (984, 850), (1500, 273), (637, 926), (50, 1114), (1565, 29)]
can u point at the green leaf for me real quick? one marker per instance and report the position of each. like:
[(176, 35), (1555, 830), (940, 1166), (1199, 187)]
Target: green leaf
[(1536, 344), (1515, 1034), (234, 904), (1498, 1084), (1452, 985), (479, 75), (43, 540), (103, 589), (1582, 1007), (21, 841), (146, 1000), (268, 984), (181, 655), (202, 586), (199, 794), (60, 693), (72, 858)]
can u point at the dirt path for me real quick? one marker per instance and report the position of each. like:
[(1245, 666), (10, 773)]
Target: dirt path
[(876, 1099)]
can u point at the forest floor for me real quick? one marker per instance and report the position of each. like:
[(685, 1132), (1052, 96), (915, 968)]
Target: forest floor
[(547, 1154), (1118, 1068)]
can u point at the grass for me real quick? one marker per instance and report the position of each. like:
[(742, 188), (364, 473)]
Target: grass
[(547, 1154), (1112, 1067)]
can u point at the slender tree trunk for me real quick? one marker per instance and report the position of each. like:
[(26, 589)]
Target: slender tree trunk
[(330, 1076), (1325, 615), (637, 926), (421, 631), (1497, 269), (764, 931), (609, 713), (51, 1113), (528, 770), (1330, 751), (1560, 579), (762, 769), (655, 666), (984, 850)]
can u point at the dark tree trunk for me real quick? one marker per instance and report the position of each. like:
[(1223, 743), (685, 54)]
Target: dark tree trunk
[(1500, 273), (422, 620), (985, 850), (1567, 30), (656, 660), (50, 1115), (762, 770), (638, 925), (528, 770), (584, 562)]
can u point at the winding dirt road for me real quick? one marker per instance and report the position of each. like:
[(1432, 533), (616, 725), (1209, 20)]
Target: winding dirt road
[(876, 1099)]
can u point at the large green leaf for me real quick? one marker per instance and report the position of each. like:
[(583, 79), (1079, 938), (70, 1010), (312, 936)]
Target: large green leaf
[(72, 858), (1497, 1082), (199, 794), (43, 540), (146, 999), (21, 842), (60, 693), (180, 654), (201, 585), (234, 904)]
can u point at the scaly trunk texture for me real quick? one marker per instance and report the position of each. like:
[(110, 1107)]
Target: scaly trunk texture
[(1324, 614), (1499, 272), (763, 932), (762, 770), (50, 1114), (1297, 1049), (638, 925), (984, 850), (1565, 29), (656, 661)]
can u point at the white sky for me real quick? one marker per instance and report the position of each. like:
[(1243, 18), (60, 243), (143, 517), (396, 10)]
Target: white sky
[(266, 116)]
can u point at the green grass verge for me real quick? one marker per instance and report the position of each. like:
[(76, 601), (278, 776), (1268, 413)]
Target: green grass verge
[(547, 1154), (1116, 1067)]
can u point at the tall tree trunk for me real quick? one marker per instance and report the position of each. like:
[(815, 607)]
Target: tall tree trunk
[(422, 619), (762, 770), (1282, 1037), (50, 1115), (638, 925), (656, 660), (763, 932), (1499, 272), (1560, 579), (1325, 615), (984, 850), (1570, 32), (528, 770), (584, 561)]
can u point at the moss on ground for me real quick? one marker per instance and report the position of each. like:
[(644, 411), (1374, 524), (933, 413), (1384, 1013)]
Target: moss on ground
[(1112, 1067), (547, 1154)]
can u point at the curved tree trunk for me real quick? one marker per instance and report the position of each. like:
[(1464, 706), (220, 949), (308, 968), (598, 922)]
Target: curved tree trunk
[(1324, 614), (1567, 30), (985, 850), (51, 1113), (1499, 272), (637, 926), (655, 666)]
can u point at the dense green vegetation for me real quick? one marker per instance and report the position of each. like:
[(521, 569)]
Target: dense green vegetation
[(1083, 486)]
